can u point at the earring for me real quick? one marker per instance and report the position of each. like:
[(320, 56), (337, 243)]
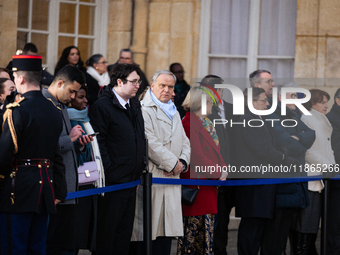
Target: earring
[(97, 68)]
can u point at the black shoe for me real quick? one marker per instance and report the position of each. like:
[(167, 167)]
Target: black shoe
[(312, 248), (300, 243)]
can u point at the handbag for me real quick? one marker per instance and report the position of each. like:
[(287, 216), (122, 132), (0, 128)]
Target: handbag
[(189, 195), (88, 173)]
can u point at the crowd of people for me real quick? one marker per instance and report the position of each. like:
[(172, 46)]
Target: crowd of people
[(88, 128)]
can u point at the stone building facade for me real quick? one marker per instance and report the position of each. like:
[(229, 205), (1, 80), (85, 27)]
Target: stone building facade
[(164, 31), (8, 30), (160, 32), (317, 50)]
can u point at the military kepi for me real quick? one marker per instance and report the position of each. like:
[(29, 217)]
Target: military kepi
[(27, 63)]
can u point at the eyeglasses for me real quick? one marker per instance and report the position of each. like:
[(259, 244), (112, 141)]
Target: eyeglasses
[(263, 101), (135, 82), (293, 96), (269, 81), (104, 62), (125, 58)]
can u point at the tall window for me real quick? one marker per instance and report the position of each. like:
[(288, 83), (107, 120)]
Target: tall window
[(54, 25), (33, 17), (240, 36)]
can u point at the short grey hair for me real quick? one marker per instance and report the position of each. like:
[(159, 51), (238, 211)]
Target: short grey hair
[(290, 84), (254, 77), (159, 72), (126, 50)]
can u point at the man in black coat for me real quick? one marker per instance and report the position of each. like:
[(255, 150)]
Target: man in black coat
[(255, 204), (226, 136), (181, 87), (333, 226), (117, 116), (31, 185)]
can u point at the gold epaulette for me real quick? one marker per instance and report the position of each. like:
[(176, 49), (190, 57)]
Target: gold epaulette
[(15, 104), (8, 116), (49, 99)]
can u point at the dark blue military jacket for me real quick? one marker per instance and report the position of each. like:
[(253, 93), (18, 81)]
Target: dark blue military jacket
[(30, 188)]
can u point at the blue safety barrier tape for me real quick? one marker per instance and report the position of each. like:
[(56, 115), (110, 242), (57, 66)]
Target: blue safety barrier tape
[(170, 181), (90, 192), (243, 182), (336, 178)]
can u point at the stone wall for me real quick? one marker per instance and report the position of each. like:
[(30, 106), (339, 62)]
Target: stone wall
[(8, 30), (162, 31), (119, 28), (173, 36), (317, 52)]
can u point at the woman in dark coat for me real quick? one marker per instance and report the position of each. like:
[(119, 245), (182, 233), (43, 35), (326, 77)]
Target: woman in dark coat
[(96, 76), (70, 56), (198, 219)]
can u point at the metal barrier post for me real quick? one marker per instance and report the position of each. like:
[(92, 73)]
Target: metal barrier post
[(147, 225), (324, 218)]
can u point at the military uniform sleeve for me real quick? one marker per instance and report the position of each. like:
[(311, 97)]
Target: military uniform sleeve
[(7, 145)]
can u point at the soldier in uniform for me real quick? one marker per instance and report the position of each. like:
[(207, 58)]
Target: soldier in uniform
[(29, 143)]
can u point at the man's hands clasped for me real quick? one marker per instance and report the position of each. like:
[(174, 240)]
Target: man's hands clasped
[(178, 169)]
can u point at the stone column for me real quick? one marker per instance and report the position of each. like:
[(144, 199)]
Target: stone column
[(158, 36), (8, 30), (119, 28), (140, 32), (317, 52), (174, 27)]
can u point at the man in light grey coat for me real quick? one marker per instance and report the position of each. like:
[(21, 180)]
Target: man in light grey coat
[(169, 155), (62, 90)]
